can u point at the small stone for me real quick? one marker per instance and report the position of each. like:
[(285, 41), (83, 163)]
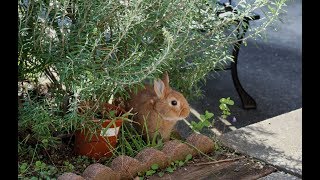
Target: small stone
[(234, 119), (126, 166), (201, 142), (70, 176), (176, 150), (100, 172), (150, 156)]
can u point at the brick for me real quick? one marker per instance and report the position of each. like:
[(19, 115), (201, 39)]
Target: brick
[(201, 142), (176, 150), (151, 156), (126, 166), (100, 172), (70, 176)]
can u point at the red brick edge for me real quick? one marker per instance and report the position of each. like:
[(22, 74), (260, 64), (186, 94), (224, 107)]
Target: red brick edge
[(125, 167)]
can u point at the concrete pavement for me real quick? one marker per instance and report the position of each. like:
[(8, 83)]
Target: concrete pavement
[(276, 141), (279, 175)]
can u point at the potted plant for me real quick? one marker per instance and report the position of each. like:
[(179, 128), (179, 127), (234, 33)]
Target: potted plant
[(98, 137)]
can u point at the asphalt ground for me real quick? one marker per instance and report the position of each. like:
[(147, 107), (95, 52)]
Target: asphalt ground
[(270, 70)]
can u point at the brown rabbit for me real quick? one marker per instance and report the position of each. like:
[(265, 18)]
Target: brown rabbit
[(159, 107)]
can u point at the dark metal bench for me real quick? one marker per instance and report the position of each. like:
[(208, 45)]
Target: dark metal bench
[(247, 101)]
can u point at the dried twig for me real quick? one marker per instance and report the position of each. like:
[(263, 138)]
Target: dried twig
[(221, 161)]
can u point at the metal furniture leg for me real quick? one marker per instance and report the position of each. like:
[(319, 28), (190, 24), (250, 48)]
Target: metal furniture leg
[(247, 101)]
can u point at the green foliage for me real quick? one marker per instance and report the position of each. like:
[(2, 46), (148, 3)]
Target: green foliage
[(68, 167), (204, 122), (154, 166), (131, 141), (82, 162), (150, 172), (160, 174), (179, 163), (23, 168), (96, 50), (153, 170), (40, 170), (170, 169), (188, 158), (224, 103), (205, 118)]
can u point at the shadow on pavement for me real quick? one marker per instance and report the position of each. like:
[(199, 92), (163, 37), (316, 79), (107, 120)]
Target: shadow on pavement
[(244, 141)]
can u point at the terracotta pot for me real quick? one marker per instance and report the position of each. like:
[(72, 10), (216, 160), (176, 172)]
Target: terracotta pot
[(100, 143)]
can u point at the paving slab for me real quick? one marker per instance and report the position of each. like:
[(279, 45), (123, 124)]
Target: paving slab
[(277, 141), (279, 175)]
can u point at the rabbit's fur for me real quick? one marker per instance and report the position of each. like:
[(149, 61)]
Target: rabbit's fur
[(159, 107)]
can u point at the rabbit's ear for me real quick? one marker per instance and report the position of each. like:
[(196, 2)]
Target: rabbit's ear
[(165, 79), (159, 88)]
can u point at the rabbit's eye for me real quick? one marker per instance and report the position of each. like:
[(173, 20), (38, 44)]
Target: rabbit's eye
[(174, 102)]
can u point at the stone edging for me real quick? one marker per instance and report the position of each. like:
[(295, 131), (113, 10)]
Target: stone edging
[(125, 167)]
